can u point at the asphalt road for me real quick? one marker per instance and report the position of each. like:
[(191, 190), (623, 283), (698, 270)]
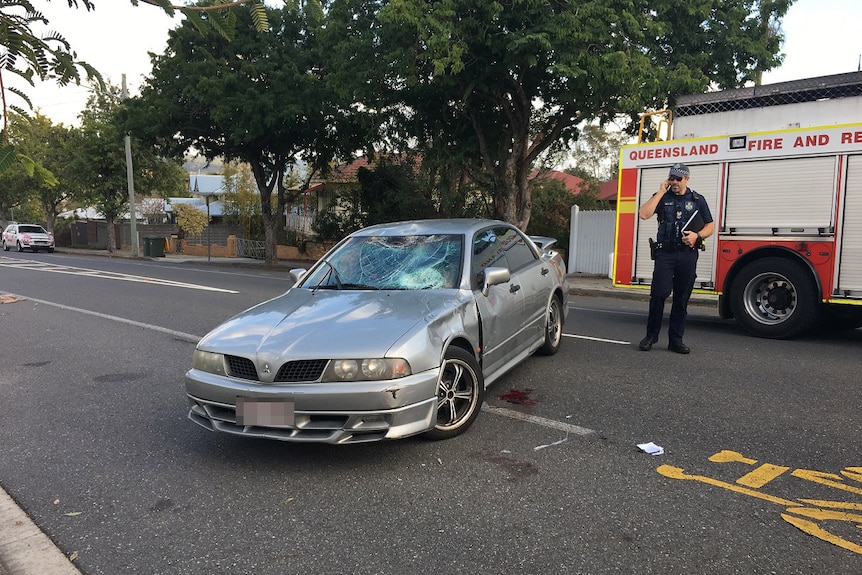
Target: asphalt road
[(761, 470)]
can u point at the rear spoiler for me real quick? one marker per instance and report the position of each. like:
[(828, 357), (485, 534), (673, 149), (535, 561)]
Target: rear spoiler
[(543, 242)]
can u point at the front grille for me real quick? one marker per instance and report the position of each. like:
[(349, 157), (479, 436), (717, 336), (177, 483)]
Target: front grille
[(241, 367), (301, 370)]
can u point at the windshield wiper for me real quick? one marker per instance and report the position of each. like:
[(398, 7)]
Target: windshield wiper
[(360, 286), (333, 273)]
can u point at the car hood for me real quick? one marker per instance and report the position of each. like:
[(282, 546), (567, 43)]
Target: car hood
[(308, 324), (35, 235)]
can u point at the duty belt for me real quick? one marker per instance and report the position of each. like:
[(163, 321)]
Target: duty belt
[(674, 247)]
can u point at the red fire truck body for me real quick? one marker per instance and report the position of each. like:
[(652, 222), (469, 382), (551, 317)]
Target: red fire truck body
[(787, 253)]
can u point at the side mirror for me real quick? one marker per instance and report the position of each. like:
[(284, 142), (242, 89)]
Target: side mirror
[(297, 274), (494, 276)]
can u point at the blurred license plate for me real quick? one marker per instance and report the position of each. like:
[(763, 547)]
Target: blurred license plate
[(264, 412)]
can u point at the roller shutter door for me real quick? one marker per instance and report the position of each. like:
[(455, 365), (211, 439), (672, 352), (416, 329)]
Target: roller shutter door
[(781, 196), (850, 257)]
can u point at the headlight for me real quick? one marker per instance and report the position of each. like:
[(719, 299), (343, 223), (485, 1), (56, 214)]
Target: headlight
[(366, 369), (208, 362)]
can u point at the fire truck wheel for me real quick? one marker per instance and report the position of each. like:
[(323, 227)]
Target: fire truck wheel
[(775, 298)]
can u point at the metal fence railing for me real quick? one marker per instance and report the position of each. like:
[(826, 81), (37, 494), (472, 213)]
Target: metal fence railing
[(299, 222), (250, 249)]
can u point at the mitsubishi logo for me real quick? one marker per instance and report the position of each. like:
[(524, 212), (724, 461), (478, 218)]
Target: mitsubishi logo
[(266, 368)]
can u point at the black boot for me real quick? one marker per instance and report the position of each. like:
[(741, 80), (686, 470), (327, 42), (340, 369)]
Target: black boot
[(646, 343), (677, 346)]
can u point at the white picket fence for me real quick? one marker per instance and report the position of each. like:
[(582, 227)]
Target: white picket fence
[(591, 241)]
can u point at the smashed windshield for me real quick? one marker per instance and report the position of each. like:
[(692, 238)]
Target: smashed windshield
[(392, 262)]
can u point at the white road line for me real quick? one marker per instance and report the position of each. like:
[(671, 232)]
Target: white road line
[(182, 335), (550, 423), (502, 411), (51, 268), (597, 339)]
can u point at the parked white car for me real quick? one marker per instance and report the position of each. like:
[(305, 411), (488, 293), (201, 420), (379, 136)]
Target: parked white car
[(31, 237)]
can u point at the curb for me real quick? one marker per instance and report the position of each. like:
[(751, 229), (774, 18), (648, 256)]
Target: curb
[(24, 549)]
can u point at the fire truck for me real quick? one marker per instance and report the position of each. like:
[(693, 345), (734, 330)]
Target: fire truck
[(781, 169)]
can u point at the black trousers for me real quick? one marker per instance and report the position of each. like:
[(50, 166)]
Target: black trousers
[(674, 271)]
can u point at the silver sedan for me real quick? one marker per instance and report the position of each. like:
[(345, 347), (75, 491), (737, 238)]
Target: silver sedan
[(396, 331)]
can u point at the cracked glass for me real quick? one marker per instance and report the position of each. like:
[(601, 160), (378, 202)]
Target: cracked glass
[(392, 263)]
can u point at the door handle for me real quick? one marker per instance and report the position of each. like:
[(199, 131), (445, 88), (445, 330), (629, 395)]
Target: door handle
[(545, 271), (513, 288)]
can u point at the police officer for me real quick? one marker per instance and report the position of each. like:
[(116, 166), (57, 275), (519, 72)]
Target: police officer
[(675, 254)]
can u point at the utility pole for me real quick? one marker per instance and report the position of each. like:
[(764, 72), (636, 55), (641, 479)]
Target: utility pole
[(130, 180)]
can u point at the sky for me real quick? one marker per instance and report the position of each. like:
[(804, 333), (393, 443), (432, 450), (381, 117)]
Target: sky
[(822, 37)]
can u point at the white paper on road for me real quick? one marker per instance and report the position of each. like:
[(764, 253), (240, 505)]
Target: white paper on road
[(651, 448)]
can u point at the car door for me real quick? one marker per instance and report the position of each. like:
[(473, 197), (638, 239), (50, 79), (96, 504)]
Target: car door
[(534, 276), (501, 312)]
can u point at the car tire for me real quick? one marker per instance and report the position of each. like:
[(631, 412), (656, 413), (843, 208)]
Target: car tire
[(50, 250), (553, 327), (775, 298), (20, 249), (5, 247), (460, 391)]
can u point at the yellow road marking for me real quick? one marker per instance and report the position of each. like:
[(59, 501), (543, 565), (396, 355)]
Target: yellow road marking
[(822, 478), (762, 475), (678, 473), (814, 529), (727, 456)]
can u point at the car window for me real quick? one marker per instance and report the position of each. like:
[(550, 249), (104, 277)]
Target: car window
[(31, 230), (500, 247), (392, 262), (518, 251)]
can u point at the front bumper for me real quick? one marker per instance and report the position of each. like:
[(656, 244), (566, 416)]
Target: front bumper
[(323, 412), (37, 244)]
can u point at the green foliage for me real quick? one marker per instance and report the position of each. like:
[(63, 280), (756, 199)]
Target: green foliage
[(191, 220), (217, 15), (513, 81), (7, 155), (258, 99), (552, 205), (393, 192), (597, 152), (389, 193), (241, 202), (340, 218), (30, 54), (42, 170)]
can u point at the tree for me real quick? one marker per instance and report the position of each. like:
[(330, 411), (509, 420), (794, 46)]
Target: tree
[(190, 220), (99, 161), (597, 152), (524, 75), (240, 201), (28, 54), (552, 206), (258, 99)]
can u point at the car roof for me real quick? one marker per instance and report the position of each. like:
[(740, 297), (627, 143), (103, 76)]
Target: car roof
[(466, 226)]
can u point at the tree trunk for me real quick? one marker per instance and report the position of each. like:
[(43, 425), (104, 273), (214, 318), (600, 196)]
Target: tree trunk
[(513, 193), (50, 219), (112, 235), (271, 244)]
